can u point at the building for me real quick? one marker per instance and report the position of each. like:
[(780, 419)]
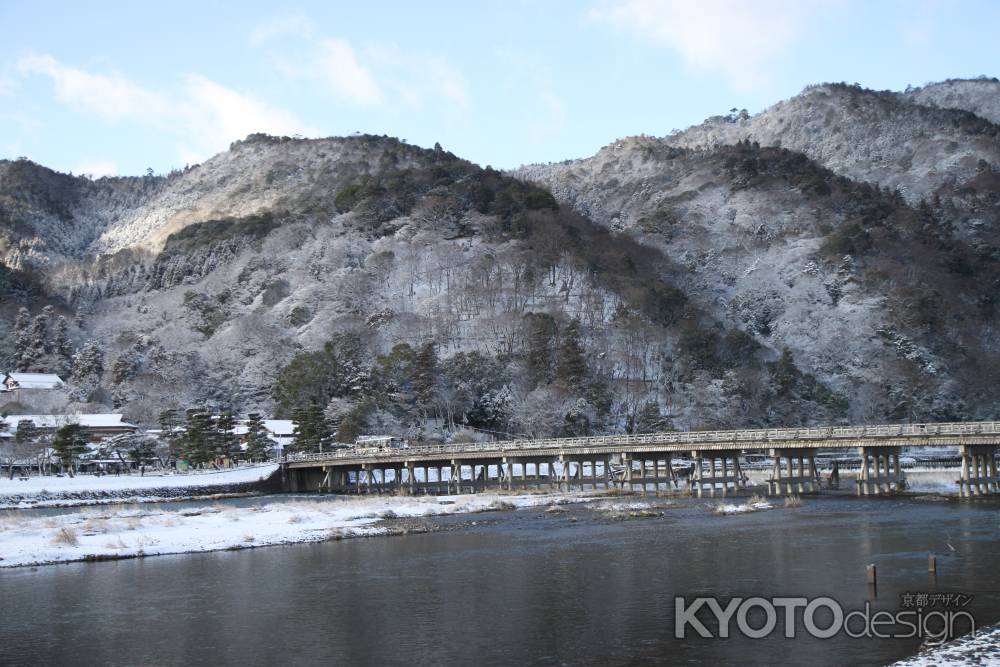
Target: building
[(281, 431), (14, 381), (96, 426)]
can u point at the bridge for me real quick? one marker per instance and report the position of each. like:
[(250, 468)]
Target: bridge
[(638, 462)]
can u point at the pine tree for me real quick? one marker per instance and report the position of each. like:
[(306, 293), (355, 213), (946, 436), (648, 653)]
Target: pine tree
[(88, 367), (321, 427), (22, 339), (541, 335), (140, 448), (229, 445), (197, 437), (61, 345), (26, 440), (425, 376), (70, 442), (26, 432), (258, 444), (651, 420), (38, 343), (305, 432), (170, 423), (571, 365), (312, 429)]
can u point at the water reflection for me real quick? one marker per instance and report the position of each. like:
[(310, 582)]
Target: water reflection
[(526, 588)]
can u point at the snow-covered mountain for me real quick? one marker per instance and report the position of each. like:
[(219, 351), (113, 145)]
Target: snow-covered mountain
[(832, 258)]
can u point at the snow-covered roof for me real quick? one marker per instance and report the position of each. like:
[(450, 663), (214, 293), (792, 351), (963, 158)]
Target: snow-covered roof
[(95, 421), (34, 380), (280, 426)]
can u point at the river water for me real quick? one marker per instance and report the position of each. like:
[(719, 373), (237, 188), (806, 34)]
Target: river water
[(523, 587)]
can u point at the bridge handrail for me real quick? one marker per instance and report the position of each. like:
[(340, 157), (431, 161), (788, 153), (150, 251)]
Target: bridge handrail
[(693, 438)]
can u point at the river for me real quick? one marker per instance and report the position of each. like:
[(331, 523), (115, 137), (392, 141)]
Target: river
[(522, 587)]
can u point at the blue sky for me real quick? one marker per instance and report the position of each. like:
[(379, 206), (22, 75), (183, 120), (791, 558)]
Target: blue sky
[(116, 87)]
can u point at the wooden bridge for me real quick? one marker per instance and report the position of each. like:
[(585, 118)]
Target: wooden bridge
[(638, 462)]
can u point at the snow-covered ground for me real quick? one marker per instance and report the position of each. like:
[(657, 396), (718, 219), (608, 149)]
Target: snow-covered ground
[(983, 649), (114, 532), (756, 506), (90, 489)]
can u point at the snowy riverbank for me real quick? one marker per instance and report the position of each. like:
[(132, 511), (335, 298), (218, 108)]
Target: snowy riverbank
[(983, 649), (115, 532), (49, 491)]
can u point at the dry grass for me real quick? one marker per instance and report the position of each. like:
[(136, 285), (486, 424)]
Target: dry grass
[(295, 518), (117, 543), (755, 499), (133, 522), (66, 536), (793, 501), (248, 538), (500, 506), (95, 526)]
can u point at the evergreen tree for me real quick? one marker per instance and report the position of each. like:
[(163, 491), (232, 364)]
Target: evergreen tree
[(651, 420), (61, 345), (197, 437), (303, 432), (541, 336), (576, 422), (571, 365), (26, 440), (229, 445), (140, 448), (88, 367), (312, 430), (22, 339), (258, 444), (425, 376), (170, 424), (39, 340), (26, 433), (69, 443)]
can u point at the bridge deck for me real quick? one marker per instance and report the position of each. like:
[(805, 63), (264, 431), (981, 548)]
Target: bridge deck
[(898, 435)]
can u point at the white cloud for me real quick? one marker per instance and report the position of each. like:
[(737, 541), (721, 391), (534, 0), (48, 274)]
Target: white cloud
[(111, 95), (203, 115), (294, 25), (374, 75), (214, 115), (418, 77), (97, 168), (340, 70), (740, 39)]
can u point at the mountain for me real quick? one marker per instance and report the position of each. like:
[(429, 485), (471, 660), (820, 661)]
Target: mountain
[(832, 259)]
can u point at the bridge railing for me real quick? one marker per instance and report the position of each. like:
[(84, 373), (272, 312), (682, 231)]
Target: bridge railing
[(689, 438)]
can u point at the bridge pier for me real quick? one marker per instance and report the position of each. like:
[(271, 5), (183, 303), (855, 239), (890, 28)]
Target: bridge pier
[(979, 471), (648, 472), (729, 474), (803, 480), (880, 471)]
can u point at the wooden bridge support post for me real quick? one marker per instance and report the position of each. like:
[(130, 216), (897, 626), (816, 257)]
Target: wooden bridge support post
[(695, 478), (880, 471), (979, 470)]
